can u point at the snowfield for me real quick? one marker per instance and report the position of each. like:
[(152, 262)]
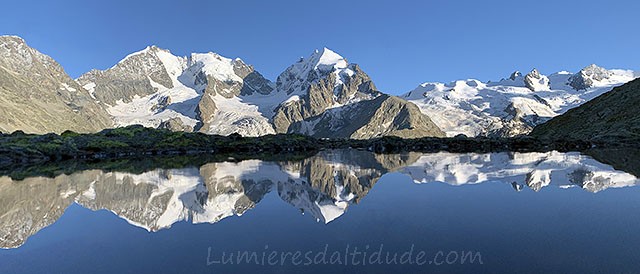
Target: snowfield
[(474, 108)]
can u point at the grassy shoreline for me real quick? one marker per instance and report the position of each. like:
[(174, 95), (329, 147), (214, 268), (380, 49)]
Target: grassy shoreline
[(138, 142)]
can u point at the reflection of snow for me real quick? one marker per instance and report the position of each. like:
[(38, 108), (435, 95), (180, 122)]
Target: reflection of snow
[(324, 186), (535, 170)]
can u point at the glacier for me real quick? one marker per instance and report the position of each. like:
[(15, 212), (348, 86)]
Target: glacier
[(513, 105)]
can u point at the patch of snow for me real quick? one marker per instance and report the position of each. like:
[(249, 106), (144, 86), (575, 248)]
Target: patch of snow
[(65, 86), (292, 99), (91, 88)]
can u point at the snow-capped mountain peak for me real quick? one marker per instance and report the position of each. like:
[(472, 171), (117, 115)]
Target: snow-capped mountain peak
[(593, 76), (536, 81), (148, 54), (216, 66), (327, 97), (12, 37), (328, 60), (322, 63)]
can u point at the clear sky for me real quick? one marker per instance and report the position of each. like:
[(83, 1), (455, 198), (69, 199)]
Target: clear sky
[(400, 44)]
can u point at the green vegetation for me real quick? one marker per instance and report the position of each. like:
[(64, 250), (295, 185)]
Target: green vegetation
[(137, 141), (19, 150)]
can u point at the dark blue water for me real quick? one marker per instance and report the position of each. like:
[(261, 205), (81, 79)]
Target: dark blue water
[(485, 226)]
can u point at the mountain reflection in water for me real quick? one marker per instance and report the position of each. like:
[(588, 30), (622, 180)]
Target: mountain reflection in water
[(323, 186)]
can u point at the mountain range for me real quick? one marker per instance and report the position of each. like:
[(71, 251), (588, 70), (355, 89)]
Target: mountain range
[(514, 105), (322, 95)]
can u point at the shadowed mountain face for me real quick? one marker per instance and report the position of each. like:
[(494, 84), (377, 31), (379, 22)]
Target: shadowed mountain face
[(37, 96), (613, 114), (323, 186)]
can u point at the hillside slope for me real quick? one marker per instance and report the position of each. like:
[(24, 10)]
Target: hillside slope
[(613, 114)]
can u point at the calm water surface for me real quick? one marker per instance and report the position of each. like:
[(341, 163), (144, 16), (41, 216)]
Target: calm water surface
[(340, 211)]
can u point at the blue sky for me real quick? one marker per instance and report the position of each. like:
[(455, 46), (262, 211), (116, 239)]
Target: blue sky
[(400, 44)]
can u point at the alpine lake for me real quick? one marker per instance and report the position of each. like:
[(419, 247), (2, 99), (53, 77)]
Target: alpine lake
[(339, 211)]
